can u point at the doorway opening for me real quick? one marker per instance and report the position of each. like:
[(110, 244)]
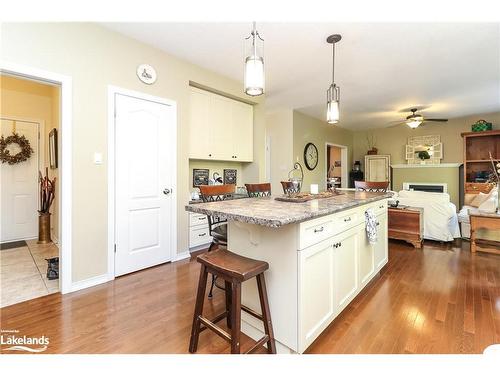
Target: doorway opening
[(336, 166), (29, 246)]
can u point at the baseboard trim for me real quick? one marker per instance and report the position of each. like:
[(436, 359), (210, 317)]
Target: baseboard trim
[(90, 282), (182, 256)]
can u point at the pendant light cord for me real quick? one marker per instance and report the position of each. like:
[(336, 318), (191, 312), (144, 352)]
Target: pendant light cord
[(333, 63)]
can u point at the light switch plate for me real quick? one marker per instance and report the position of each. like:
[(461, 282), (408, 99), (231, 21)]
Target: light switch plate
[(97, 158)]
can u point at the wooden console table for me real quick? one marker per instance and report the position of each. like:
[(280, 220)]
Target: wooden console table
[(485, 231), (407, 224)]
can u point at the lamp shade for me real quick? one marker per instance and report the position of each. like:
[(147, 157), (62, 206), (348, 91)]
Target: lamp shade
[(254, 75), (413, 123), (332, 104)]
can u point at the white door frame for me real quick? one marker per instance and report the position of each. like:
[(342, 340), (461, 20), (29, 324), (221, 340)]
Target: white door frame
[(41, 149), (112, 91), (65, 168), (343, 157)]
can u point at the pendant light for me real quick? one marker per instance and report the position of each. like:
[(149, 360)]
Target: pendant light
[(333, 92), (254, 64)]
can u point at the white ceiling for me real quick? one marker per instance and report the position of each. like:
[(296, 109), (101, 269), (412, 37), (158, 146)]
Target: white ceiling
[(381, 67)]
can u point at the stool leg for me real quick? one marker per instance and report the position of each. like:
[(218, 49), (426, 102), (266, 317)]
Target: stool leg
[(210, 292), (198, 310), (235, 317), (228, 289), (266, 313)]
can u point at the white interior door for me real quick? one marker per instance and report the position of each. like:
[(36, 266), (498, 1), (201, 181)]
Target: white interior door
[(19, 187), (144, 180)]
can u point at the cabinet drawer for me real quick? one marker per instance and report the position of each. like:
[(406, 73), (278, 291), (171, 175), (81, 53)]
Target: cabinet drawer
[(197, 219), (314, 231), (346, 220), (199, 236)]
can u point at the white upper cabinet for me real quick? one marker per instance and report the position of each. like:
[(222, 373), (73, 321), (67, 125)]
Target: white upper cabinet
[(220, 128)]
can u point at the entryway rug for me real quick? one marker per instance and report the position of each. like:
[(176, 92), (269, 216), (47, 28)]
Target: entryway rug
[(12, 245)]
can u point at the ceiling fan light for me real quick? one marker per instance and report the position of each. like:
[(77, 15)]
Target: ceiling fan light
[(413, 123)]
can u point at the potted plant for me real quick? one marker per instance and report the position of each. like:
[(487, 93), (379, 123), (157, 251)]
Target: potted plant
[(371, 141), (47, 195), (423, 155)]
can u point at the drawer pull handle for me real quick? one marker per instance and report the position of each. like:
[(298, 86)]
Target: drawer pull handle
[(202, 218), (347, 219), (319, 230), (338, 244), (380, 206), (202, 234)]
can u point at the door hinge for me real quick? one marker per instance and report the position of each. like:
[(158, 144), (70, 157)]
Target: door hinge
[(115, 248)]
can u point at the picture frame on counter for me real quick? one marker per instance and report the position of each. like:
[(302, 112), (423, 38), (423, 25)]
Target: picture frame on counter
[(230, 176), (200, 177)]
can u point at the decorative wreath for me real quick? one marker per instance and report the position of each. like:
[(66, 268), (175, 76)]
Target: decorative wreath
[(21, 156)]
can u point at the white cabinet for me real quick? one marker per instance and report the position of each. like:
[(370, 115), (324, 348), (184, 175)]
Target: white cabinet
[(316, 270), (346, 259), (381, 250), (377, 168), (336, 267), (198, 231), (219, 128)]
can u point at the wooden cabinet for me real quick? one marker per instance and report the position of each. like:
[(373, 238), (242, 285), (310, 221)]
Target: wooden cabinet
[(219, 128), (477, 146), (377, 168)]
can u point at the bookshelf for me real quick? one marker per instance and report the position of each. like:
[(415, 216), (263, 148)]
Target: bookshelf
[(476, 158)]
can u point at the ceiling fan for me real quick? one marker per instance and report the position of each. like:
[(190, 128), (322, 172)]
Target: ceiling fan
[(415, 120)]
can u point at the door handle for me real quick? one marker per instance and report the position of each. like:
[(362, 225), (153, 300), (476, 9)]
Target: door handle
[(167, 191)]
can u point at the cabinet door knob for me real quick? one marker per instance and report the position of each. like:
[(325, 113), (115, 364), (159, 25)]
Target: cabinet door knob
[(167, 191), (210, 155)]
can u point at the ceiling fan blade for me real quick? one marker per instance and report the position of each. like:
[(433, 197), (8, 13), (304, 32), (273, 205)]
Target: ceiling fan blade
[(436, 119)]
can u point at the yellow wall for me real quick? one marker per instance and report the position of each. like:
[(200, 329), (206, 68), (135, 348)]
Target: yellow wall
[(96, 57), (279, 129), (30, 100), (336, 155), (308, 129), (392, 141)]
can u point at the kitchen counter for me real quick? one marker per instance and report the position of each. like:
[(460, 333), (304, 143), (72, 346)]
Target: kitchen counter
[(272, 213), (318, 253)]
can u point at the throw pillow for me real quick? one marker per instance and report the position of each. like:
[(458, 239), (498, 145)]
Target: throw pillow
[(479, 199)]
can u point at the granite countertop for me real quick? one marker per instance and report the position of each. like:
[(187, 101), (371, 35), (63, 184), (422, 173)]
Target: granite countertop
[(235, 196), (272, 213)]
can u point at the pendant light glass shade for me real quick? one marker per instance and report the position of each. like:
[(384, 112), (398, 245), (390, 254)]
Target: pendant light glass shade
[(333, 92), (254, 64), (413, 123), (332, 106)]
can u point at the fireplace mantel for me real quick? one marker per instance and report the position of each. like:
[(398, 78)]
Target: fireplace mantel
[(442, 165)]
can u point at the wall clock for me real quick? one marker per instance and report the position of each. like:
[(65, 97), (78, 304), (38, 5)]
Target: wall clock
[(146, 74), (311, 156)]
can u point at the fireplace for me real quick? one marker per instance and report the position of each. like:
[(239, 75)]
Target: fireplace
[(431, 187)]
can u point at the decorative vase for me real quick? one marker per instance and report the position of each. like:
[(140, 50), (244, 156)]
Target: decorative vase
[(44, 228)]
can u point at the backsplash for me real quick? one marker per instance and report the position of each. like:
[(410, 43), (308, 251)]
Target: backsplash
[(214, 166)]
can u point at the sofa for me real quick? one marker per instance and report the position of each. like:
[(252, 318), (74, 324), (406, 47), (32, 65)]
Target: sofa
[(440, 214)]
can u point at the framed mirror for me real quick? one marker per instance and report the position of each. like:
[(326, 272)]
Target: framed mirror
[(426, 149)]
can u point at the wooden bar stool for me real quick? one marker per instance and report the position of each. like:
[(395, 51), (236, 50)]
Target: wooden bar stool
[(234, 269)]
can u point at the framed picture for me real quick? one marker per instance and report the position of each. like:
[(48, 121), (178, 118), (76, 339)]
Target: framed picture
[(338, 163), (53, 149), (230, 176), (200, 177)]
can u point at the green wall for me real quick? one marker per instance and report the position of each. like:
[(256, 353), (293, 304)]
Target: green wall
[(308, 129), (449, 176)]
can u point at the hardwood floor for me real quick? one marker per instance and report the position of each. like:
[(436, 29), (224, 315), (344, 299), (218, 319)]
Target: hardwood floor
[(440, 299)]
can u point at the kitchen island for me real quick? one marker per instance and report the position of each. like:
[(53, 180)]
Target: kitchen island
[(318, 253)]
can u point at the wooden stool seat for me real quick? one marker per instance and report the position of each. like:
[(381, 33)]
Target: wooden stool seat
[(233, 269), (233, 266)]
